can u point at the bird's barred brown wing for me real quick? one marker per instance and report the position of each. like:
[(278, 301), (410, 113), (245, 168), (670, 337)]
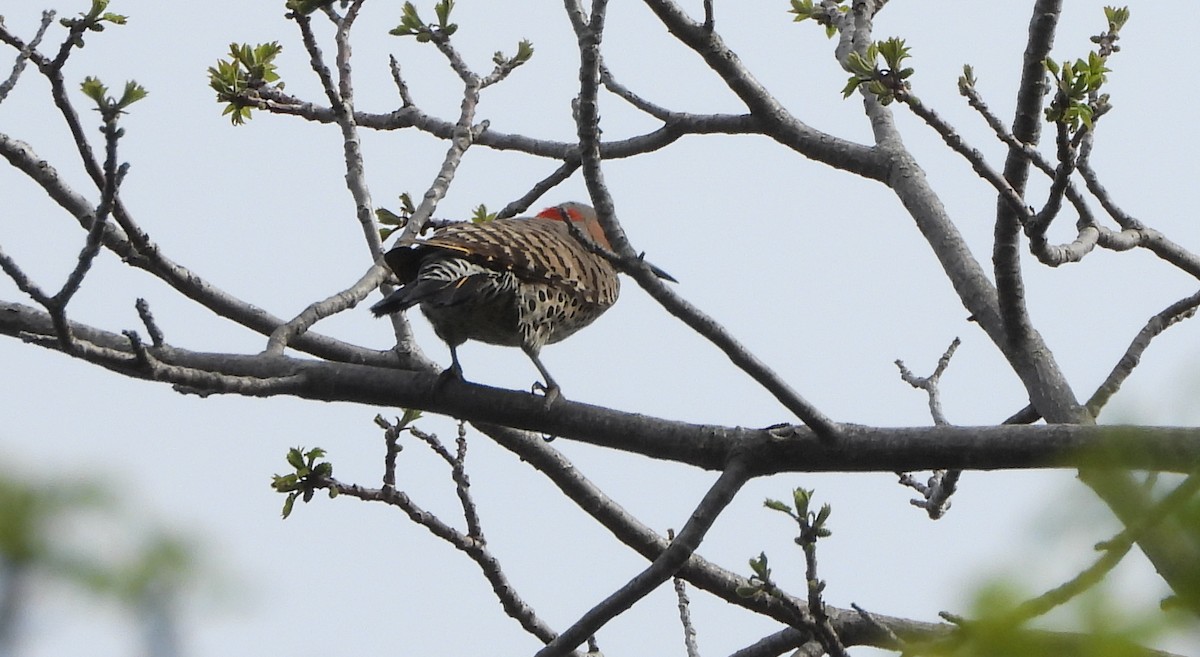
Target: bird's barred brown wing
[(535, 250)]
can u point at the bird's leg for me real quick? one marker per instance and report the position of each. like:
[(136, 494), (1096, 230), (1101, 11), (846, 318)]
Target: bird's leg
[(551, 389), (453, 372)]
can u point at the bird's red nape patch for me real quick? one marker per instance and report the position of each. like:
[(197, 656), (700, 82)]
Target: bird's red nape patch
[(559, 213)]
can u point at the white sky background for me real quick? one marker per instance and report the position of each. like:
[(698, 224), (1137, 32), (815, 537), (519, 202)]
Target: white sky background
[(820, 274)]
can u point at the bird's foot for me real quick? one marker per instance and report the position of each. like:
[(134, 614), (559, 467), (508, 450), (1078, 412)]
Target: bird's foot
[(550, 392), (449, 374)]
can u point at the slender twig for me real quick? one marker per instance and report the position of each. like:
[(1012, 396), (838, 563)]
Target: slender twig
[(458, 473), (23, 53), (113, 176), (470, 545), (316, 61), (773, 645), (318, 310), (401, 86), (930, 383), (664, 566), (588, 124), (685, 611), (462, 484), (942, 483), (544, 185), (1171, 315), (1007, 193), (621, 91), (22, 280), (156, 334), (462, 136)]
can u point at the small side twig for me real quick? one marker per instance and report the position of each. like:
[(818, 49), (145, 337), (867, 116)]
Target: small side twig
[(473, 543), (685, 610), (874, 622), (156, 334), (930, 384), (401, 86), (942, 484), (1171, 315), (316, 311), (24, 52), (544, 185)]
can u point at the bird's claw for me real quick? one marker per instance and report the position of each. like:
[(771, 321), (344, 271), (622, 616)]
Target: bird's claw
[(449, 374), (551, 393)]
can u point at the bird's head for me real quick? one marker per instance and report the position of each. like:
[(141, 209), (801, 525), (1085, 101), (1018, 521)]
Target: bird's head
[(583, 215)]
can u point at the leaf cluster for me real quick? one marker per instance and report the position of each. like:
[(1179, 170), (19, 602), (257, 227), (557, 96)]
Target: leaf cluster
[(412, 25), (481, 215), (506, 64), (108, 106), (760, 580), (1077, 100), (888, 82), (812, 523), (305, 7), (393, 221), (804, 10), (310, 474), (92, 20), (812, 527), (247, 69), (1076, 103)]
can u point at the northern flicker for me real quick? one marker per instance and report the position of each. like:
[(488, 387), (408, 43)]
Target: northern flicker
[(520, 282)]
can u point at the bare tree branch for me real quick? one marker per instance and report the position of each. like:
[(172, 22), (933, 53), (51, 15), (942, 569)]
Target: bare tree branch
[(588, 121), (732, 478), (1171, 315)]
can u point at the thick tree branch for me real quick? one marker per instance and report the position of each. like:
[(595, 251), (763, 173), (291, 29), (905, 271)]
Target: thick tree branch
[(1019, 334), (768, 451), (776, 122)]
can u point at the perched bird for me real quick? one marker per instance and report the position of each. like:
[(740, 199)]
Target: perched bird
[(520, 282)]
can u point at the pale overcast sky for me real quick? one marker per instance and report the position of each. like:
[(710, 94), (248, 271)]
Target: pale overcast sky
[(821, 274)]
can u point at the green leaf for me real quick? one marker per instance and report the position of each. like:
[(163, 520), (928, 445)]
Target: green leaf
[(760, 568), (851, 87), (524, 51), (295, 457), (93, 88), (777, 506), (1116, 17), (410, 416), (802, 497), (443, 9), (410, 24), (803, 9), (288, 504), (389, 218), (480, 215)]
